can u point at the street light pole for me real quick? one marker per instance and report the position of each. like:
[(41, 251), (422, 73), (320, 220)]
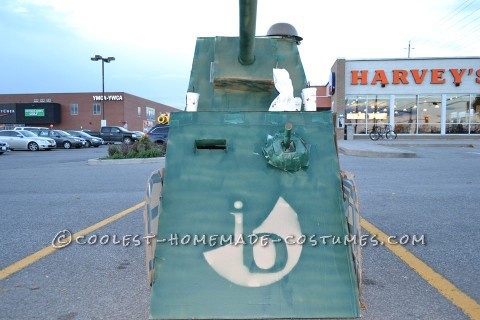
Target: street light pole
[(107, 60), (103, 90)]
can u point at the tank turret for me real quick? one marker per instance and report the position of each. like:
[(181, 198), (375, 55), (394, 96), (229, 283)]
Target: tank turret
[(235, 73)]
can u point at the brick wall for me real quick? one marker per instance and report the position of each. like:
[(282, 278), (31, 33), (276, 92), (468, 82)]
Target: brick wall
[(117, 112)]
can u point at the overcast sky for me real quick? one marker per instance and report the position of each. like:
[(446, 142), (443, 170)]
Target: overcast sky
[(46, 45)]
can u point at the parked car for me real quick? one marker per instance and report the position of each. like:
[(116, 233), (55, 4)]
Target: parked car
[(113, 134), (158, 134), (62, 138), (139, 134), (26, 140), (91, 141), (4, 147), (31, 129)]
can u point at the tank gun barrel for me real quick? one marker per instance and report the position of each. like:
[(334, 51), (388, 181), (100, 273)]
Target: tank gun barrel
[(248, 21), (287, 137)]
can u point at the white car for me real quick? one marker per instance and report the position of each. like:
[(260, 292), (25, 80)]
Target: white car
[(26, 140), (30, 128), (4, 147)]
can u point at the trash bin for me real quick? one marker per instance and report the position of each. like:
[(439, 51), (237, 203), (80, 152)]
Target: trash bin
[(349, 132)]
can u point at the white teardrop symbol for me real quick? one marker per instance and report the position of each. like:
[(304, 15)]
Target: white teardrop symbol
[(228, 261)]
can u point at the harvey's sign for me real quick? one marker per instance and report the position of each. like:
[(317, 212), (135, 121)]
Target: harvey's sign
[(413, 76)]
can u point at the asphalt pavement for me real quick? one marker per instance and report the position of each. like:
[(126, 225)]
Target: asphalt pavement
[(434, 193)]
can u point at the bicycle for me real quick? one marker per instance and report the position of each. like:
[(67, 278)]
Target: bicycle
[(387, 132)]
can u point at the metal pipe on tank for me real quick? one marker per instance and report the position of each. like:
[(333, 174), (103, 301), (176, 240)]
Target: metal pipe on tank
[(248, 21), (287, 138)]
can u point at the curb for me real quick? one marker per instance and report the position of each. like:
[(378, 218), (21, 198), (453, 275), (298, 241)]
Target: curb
[(93, 162), (394, 149), (386, 152), (431, 145)]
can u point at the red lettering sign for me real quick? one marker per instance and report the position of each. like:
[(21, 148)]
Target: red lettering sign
[(380, 77), (400, 76), (457, 75), (437, 76), (417, 77), (362, 77)]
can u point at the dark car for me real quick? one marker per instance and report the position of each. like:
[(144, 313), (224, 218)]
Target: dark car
[(115, 134), (62, 138), (90, 140), (92, 133), (158, 134)]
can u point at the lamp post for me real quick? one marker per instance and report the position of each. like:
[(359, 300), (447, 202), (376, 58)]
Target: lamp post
[(107, 60)]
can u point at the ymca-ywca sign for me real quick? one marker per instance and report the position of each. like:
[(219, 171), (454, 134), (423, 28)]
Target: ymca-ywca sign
[(108, 98)]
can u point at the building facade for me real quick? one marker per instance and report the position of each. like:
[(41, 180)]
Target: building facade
[(77, 111), (434, 97)]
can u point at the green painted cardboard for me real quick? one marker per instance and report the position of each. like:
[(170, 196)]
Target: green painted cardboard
[(219, 183), (200, 189)]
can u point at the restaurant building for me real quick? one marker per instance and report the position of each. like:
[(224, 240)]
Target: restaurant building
[(423, 97), (77, 111)]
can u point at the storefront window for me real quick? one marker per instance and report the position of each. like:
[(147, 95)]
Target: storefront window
[(356, 108), (429, 113), (406, 114), (365, 112), (458, 113), (475, 114), (378, 110), (415, 114)]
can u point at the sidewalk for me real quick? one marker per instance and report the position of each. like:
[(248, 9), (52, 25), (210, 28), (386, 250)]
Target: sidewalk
[(393, 148)]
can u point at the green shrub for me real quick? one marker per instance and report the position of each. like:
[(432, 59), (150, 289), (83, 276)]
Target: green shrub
[(131, 154), (117, 156), (125, 149), (112, 150), (142, 148), (151, 153)]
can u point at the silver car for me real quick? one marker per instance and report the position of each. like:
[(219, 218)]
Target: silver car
[(26, 140)]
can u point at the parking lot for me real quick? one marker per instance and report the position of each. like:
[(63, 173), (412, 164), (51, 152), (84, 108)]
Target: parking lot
[(45, 193)]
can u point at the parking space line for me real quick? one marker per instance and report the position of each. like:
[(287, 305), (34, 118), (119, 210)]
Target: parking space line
[(42, 253), (467, 304)]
